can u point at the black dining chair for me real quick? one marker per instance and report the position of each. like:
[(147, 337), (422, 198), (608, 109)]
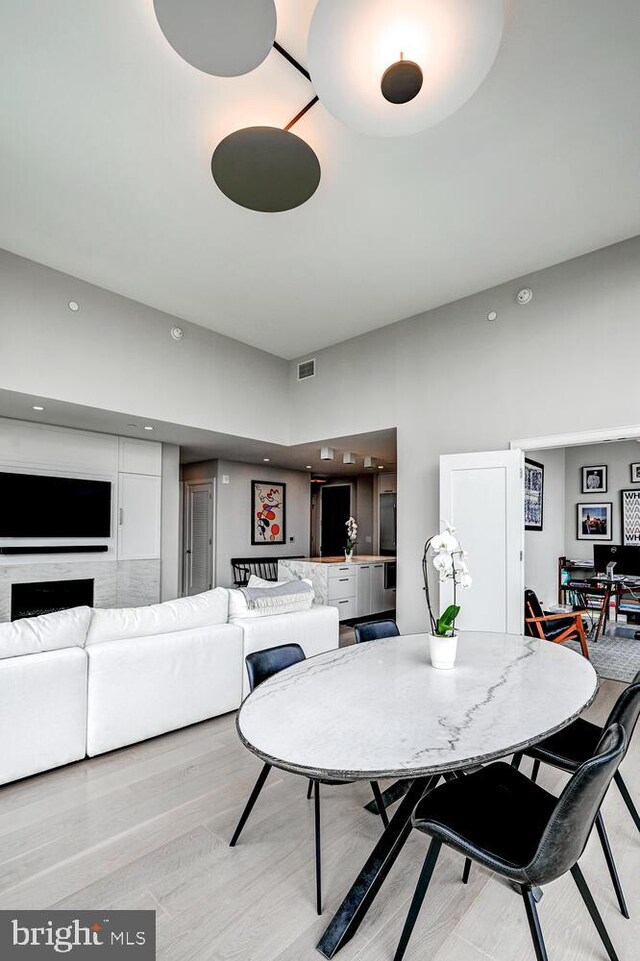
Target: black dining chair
[(506, 822), (374, 630), (262, 665), (570, 747)]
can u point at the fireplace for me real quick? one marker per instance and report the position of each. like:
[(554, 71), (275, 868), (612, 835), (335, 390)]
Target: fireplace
[(43, 597)]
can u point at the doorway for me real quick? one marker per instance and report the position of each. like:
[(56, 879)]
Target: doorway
[(198, 538), (336, 510)]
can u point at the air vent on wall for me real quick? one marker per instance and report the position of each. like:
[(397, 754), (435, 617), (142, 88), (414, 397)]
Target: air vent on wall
[(306, 369)]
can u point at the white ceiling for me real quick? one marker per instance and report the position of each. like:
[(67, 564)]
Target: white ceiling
[(198, 445), (107, 135)]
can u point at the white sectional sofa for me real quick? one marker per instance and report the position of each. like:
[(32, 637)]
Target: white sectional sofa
[(82, 682)]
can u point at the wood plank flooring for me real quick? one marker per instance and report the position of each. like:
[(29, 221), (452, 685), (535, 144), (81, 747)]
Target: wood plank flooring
[(148, 827)]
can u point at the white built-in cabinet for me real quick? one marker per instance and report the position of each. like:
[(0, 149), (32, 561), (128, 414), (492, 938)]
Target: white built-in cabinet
[(139, 499)]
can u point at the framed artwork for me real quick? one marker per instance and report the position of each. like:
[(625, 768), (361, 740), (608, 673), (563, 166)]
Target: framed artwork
[(533, 495), (630, 518), (268, 512), (594, 480), (594, 522), (635, 473)]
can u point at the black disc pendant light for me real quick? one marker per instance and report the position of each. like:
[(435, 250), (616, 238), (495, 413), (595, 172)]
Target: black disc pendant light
[(402, 81), (265, 169)]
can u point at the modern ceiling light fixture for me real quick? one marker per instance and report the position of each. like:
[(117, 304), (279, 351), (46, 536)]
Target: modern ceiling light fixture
[(267, 168), (218, 37), (402, 81), (353, 47), (353, 52)]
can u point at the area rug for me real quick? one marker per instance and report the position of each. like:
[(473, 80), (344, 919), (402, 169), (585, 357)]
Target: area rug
[(616, 655)]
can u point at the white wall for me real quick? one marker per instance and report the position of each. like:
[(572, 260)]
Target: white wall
[(234, 515), (450, 381), (618, 457), (543, 548), (117, 354)]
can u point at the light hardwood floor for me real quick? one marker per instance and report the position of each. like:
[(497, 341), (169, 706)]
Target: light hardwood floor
[(148, 827)]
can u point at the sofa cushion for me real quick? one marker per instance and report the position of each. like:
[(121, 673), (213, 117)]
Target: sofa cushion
[(185, 613), (47, 632), (43, 711), (316, 631), (238, 606), (144, 687)]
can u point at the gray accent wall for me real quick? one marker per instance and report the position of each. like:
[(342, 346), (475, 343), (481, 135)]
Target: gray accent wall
[(232, 522), (451, 382), (617, 456), (117, 354)]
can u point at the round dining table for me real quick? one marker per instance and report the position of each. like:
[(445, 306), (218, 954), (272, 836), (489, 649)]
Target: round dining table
[(380, 710)]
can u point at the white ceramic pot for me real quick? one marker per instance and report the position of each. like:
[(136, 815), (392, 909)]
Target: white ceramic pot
[(442, 651), (348, 556)]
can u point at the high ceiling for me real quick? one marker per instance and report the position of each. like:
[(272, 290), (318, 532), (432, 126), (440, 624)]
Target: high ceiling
[(107, 135)]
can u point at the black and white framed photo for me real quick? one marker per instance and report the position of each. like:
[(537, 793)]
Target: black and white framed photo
[(594, 479), (533, 495), (635, 473), (630, 518), (268, 512), (594, 522)]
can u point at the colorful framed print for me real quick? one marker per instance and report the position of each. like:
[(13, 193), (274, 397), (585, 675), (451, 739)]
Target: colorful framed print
[(533, 495), (635, 473), (268, 512), (594, 522), (630, 518), (594, 479)]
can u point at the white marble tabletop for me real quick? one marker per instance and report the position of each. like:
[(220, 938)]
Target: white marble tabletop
[(380, 710)]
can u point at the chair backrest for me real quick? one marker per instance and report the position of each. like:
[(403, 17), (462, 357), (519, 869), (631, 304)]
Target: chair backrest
[(264, 664), (533, 608), (565, 836), (264, 567), (375, 629), (626, 710)]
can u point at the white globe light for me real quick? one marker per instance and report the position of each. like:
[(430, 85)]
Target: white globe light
[(353, 42)]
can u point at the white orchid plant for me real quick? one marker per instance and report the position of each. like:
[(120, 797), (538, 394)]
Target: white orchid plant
[(352, 535), (443, 552)]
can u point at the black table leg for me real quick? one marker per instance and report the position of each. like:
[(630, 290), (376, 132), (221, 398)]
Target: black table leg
[(349, 915), (392, 794)]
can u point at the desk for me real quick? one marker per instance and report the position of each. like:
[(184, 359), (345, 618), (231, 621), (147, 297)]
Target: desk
[(605, 588), (379, 710)]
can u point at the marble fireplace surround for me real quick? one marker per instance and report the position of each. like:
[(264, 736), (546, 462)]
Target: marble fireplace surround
[(116, 583)]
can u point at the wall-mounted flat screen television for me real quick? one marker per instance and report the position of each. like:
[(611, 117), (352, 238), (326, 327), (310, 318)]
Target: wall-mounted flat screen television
[(35, 505)]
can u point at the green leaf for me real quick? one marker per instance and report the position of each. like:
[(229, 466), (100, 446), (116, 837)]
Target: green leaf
[(447, 620)]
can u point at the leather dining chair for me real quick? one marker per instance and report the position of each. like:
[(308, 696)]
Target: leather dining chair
[(553, 627), (262, 665), (569, 748), (374, 630), (509, 824)]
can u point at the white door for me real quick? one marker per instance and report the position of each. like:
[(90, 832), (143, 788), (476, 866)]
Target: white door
[(198, 540), (138, 516), (482, 496)]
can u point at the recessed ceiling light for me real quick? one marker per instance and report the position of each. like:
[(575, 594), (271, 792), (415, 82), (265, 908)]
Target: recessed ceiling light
[(73, 305), (307, 466), (492, 315), (37, 407), (266, 460), (147, 427)]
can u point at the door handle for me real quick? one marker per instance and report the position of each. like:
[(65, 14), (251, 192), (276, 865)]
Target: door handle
[(120, 516)]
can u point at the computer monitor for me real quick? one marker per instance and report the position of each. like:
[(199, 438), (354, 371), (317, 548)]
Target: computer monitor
[(627, 559)]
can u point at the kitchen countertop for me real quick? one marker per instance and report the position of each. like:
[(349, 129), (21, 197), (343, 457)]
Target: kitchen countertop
[(357, 559)]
